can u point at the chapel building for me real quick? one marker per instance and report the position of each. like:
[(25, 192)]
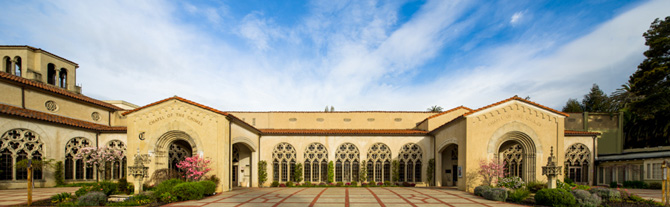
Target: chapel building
[(44, 115)]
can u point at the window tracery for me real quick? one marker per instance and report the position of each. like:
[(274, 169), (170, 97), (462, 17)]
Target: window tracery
[(178, 151), (513, 157), (75, 168), (410, 163), (577, 161), (379, 163), (315, 154), (282, 155), (116, 169), (17, 145), (348, 155)]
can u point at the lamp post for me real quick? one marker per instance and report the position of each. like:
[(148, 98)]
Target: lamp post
[(138, 170), (551, 170)]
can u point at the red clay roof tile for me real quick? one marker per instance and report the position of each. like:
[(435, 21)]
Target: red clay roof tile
[(342, 132), (30, 114), (518, 99)]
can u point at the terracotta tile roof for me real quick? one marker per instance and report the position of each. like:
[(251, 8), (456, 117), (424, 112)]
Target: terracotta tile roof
[(580, 133), (445, 112), (234, 118), (39, 49), (423, 112), (30, 114), (342, 132), (56, 90), (518, 99)]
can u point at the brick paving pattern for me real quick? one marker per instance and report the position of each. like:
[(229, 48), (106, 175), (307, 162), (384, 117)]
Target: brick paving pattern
[(345, 197), (20, 196)]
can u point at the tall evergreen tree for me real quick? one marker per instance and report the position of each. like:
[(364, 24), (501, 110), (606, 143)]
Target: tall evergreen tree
[(573, 106), (596, 100)]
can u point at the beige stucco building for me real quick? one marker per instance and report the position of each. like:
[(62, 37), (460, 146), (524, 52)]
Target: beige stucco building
[(44, 115)]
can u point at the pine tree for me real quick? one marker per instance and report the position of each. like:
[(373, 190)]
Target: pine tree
[(596, 100), (573, 106)]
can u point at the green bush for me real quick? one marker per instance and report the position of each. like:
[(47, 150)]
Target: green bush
[(554, 197), (105, 186), (614, 184), (94, 198), (655, 185), (209, 187), (61, 197), (122, 185), (339, 184), (166, 186), (519, 195), (59, 173), (387, 183), (496, 194), (635, 184), (274, 184), (354, 183), (582, 187), (188, 191), (534, 186), (479, 190), (607, 194), (568, 181), (307, 184), (167, 197), (289, 184), (586, 199), (511, 182), (136, 200)]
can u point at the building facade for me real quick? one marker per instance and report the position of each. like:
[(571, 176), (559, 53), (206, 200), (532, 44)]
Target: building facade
[(43, 115)]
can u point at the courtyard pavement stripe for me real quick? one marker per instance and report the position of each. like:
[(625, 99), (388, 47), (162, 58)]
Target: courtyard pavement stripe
[(257, 197), (282, 200), (466, 198), (410, 203), (346, 197), (376, 197), (317, 197), (431, 197)]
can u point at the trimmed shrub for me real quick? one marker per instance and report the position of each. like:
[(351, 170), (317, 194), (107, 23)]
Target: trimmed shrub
[(214, 179), (61, 197), (322, 184), (511, 182), (167, 197), (496, 194), (582, 187), (188, 191), (655, 185), (607, 194), (94, 198), (136, 200), (479, 190), (307, 184), (289, 184), (554, 197), (568, 181), (105, 186), (208, 186), (635, 184), (274, 184), (354, 183), (166, 186), (387, 183), (614, 184), (122, 185), (339, 184), (518, 195), (534, 186), (586, 199)]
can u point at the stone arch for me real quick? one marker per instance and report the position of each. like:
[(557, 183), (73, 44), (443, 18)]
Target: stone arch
[(316, 163), (501, 133), (444, 144), (379, 162), (577, 162), (409, 158), (163, 143), (16, 145), (44, 137), (245, 141), (175, 125), (520, 150)]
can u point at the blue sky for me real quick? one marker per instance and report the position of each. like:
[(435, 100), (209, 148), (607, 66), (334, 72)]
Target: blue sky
[(355, 55)]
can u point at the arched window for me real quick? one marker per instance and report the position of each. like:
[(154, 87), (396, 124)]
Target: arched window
[(17, 66), (179, 150), (236, 160), (74, 168), (577, 159), (116, 169), (315, 154), (7, 62), (379, 163), (62, 78), (410, 163), (51, 74), (348, 155), (283, 154), (17, 145), (512, 154)]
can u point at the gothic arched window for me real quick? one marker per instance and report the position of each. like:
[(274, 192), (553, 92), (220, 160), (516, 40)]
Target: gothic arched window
[(410, 163), (17, 145), (75, 168), (116, 169), (315, 154), (512, 154), (348, 155), (282, 156), (379, 163), (577, 160)]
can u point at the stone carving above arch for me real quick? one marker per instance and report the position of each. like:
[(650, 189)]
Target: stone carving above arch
[(245, 141), (444, 144), (514, 128), (499, 113)]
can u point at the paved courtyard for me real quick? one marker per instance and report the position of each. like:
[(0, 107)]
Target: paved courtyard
[(20, 196), (344, 197)]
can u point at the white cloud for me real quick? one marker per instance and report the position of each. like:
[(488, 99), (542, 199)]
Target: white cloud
[(516, 17)]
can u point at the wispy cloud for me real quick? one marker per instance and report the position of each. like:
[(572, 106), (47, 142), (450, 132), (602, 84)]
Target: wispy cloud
[(355, 55)]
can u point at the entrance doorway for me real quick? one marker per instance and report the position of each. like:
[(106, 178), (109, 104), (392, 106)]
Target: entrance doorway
[(241, 170), (449, 169)]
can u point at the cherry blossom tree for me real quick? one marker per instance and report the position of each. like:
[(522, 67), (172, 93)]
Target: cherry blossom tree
[(97, 157), (491, 171), (195, 167)]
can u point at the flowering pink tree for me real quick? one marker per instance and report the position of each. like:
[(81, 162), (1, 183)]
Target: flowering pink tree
[(491, 171), (99, 156), (195, 167)]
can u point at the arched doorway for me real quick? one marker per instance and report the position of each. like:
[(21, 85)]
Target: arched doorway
[(577, 161), (449, 165), (517, 151), (241, 170), (178, 151)]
